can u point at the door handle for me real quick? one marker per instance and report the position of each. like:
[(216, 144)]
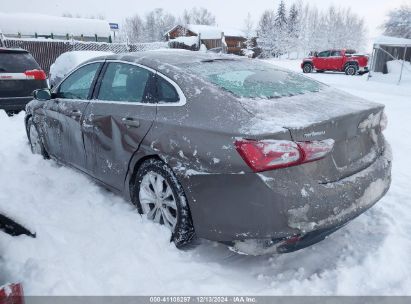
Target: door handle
[(130, 122)]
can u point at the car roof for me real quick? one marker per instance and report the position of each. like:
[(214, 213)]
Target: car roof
[(173, 57)]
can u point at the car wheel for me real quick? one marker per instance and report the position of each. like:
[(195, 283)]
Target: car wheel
[(351, 70), (161, 198), (35, 142), (307, 68)]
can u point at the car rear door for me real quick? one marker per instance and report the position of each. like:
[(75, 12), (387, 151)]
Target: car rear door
[(336, 60), (72, 99), (117, 120)]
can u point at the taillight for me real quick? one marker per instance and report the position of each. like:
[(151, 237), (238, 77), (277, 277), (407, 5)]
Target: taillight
[(314, 150), (266, 155), (35, 74), (383, 121)]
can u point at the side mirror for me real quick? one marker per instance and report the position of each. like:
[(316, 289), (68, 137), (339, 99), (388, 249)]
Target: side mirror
[(42, 94)]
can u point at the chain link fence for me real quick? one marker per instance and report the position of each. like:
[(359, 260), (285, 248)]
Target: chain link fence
[(47, 51)]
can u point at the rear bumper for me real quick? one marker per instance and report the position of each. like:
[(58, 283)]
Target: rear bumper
[(14, 103), (280, 204)]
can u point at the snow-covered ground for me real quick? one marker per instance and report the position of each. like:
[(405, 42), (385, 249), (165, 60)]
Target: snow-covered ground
[(89, 241)]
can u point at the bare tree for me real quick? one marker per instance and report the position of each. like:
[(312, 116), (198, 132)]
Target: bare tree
[(399, 22), (134, 29), (198, 16)]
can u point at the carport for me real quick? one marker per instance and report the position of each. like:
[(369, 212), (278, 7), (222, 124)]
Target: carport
[(387, 49)]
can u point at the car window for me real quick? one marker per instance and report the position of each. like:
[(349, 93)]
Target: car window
[(78, 84), (124, 82), (336, 53), (166, 91), (253, 79), (324, 54), (17, 62)]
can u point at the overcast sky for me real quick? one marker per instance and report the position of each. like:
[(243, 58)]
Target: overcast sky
[(229, 13)]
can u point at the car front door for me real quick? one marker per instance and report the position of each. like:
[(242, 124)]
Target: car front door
[(117, 120), (321, 62), (72, 98)]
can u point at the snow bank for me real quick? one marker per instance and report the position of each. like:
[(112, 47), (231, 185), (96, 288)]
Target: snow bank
[(394, 71), (68, 61), (188, 41)]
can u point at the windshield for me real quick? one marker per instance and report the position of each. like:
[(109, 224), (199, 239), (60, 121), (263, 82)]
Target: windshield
[(253, 78)]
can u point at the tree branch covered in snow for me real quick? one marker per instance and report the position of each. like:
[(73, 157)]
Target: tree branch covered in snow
[(399, 22), (153, 25)]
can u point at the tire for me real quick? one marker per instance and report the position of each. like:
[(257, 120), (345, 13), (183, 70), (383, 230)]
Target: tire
[(351, 70), (35, 141), (307, 68), (159, 195)]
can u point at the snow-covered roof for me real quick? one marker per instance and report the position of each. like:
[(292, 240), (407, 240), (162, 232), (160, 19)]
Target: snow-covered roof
[(29, 24), (205, 31), (232, 32), (392, 41)]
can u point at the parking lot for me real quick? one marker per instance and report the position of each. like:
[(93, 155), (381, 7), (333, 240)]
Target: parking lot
[(90, 241)]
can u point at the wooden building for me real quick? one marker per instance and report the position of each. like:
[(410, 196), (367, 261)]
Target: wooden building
[(231, 41)]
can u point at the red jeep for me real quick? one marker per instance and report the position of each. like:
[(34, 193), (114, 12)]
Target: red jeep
[(336, 60)]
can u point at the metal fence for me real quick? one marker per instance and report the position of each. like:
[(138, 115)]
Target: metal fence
[(47, 51)]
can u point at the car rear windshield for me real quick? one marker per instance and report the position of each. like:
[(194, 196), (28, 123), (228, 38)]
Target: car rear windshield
[(17, 62), (254, 78)]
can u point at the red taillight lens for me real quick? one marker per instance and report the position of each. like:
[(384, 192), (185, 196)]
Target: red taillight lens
[(314, 150), (35, 74), (267, 155)]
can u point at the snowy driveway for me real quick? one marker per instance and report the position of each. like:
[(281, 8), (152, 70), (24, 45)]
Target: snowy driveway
[(90, 241)]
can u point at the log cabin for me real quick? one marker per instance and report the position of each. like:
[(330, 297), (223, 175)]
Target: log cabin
[(231, 41)]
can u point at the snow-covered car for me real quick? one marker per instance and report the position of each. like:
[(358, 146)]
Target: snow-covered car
[(68, 61), (217, 146)]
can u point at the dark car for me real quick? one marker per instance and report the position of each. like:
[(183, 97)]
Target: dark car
[(225, 148), (20, 75)]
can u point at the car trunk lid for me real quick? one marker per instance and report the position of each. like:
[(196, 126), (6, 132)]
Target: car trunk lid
[(351, 122)]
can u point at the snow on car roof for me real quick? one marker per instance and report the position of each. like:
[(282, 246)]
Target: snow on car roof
[(164, 56), (30, 24)]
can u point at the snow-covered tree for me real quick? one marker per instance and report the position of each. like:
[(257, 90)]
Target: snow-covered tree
[(248, 30), (157, 22), (134, 29), (399, 22), (307, 29), (198, 16), (266, 40), (149, 29)]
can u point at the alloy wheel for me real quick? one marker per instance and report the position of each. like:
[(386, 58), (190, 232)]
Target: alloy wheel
[(157, 200)]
